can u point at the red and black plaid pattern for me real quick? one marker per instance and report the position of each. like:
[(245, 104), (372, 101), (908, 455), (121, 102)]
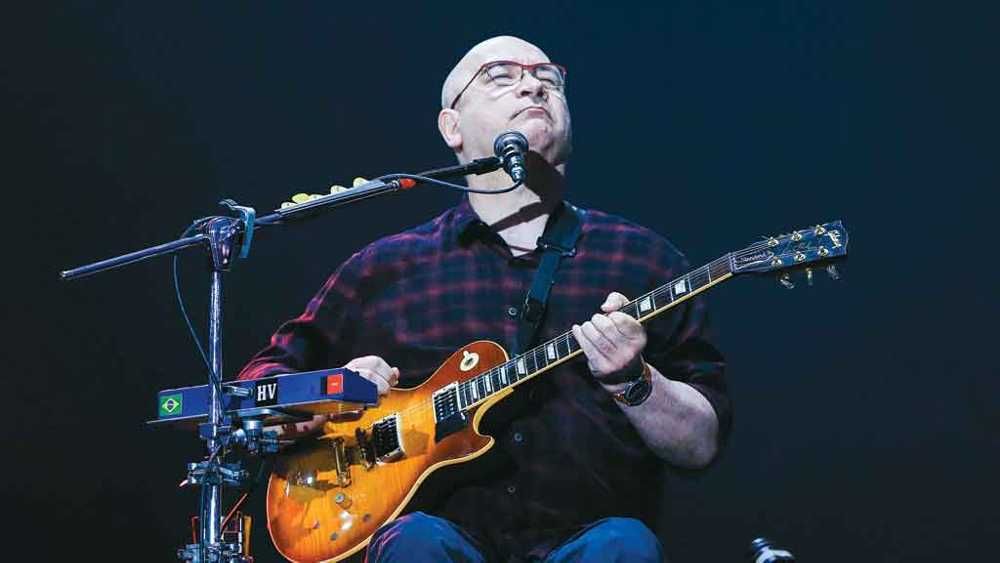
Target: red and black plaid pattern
[(567, 455)]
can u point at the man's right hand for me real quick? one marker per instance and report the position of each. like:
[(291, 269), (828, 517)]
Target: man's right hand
[(376, 370), (372, 368)]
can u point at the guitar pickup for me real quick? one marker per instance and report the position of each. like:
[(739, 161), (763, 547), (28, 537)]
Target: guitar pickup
[(387, 439), (448, 414)]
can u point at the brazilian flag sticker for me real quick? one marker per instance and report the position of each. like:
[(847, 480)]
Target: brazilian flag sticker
[(171, 405)]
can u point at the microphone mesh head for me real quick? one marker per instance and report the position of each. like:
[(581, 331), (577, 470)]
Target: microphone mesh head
[(513, 139)]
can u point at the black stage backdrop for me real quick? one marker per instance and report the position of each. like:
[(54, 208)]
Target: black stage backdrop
[(866, 422)]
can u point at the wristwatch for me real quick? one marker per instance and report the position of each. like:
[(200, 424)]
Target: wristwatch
[(638, 390)]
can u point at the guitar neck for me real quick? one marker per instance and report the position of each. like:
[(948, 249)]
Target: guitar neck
[(564, 347)]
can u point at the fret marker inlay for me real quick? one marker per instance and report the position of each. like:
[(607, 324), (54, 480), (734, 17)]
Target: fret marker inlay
[(645, 305), (680, 287)]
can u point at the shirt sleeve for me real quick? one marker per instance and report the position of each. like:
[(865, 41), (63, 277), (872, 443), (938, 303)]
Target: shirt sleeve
[(322, 336), (680, 346)]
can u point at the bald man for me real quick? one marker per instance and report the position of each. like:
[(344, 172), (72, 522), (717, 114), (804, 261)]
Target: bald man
[(575, 472)]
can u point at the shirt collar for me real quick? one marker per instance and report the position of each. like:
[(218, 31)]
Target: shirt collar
[(467, 225)]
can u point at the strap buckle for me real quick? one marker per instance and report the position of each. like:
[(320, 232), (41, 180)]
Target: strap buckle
[(532, 311), (562, 250)]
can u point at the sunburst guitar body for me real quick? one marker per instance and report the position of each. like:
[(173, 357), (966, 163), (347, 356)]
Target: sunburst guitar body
[(326, 501)]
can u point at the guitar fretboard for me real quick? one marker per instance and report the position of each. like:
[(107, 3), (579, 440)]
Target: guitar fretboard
[(563, 347)]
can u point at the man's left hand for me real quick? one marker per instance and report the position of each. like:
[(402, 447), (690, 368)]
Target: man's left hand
[(612, 342)]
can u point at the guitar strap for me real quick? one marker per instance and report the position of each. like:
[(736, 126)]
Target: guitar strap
[(557, 242)]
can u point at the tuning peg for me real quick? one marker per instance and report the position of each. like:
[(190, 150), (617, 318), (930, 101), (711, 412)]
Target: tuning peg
[(786, 280), (809, 276), (831, 270)]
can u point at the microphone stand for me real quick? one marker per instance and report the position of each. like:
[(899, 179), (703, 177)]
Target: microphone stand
[(222, 237)]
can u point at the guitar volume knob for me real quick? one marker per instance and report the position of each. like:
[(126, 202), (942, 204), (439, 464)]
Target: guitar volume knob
[(342, 500)]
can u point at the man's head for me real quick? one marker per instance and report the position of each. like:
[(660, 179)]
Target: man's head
[(476, 107)]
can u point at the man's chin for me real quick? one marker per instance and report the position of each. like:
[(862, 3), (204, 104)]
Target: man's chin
[(540, 139), (555, 151)]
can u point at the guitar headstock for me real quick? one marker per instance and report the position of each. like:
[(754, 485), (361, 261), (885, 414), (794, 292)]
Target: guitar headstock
[(800, 249)]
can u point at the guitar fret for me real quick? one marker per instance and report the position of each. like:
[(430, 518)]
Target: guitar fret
[(630, 309), (463, 391), (481, 386), (571, 343), (703, 276)]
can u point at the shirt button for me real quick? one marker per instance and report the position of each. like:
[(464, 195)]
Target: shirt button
[(511, 489), (518, 437), (512, 312)]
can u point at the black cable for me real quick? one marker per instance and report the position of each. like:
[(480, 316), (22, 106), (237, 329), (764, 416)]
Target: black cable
[(429, 180), (180, 299)]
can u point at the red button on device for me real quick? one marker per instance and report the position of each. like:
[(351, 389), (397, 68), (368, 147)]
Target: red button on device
[(334, 384)]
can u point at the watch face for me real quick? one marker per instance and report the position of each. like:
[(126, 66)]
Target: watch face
[(637, 392)]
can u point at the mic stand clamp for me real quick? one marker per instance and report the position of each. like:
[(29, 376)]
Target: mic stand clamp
[(229, 552)]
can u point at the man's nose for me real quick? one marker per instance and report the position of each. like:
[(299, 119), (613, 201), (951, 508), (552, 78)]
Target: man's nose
[(531, 86)]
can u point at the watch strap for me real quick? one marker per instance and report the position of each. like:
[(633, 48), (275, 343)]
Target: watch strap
[(646, 377)]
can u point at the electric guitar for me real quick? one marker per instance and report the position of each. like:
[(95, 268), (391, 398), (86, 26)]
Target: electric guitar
[(326, 499)]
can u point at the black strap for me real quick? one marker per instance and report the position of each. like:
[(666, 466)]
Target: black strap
[(558, 241)]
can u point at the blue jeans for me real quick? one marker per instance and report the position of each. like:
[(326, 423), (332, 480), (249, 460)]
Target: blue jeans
[(419, 537)]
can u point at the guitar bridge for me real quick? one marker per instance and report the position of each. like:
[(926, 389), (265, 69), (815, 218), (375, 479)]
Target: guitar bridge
[(342, 462)]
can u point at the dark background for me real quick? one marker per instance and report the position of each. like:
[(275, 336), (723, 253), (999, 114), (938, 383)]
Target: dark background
[(867, 411)]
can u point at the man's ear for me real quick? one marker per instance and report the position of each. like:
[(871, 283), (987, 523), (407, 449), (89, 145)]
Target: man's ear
[(448, 126)]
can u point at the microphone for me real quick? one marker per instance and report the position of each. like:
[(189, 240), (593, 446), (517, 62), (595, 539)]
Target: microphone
[(510, 147)]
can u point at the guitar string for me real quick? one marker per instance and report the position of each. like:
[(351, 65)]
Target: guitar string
[(567, 337)]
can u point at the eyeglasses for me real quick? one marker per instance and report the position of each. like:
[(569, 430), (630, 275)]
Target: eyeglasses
[(500, 74)]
